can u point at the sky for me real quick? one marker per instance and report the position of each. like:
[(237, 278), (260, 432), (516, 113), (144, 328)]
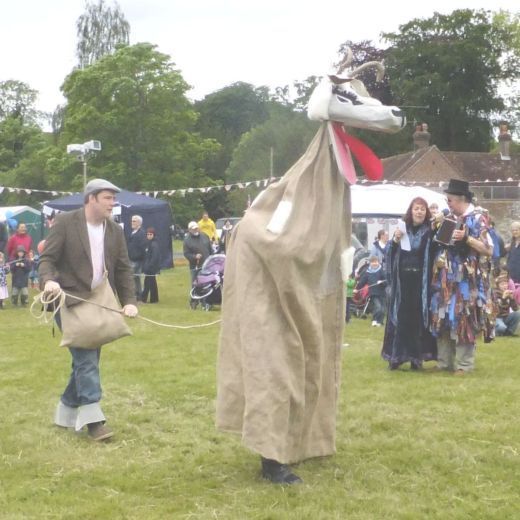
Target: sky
[(212, 42)]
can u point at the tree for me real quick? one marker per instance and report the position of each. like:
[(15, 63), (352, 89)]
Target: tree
[(225, 115), (19, 134), (284, 95), (134, 102), (454, 65), (284, 137), (101, 29), (17, 101)]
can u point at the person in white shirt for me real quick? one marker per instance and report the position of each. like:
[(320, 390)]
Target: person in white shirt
[(81, 245)]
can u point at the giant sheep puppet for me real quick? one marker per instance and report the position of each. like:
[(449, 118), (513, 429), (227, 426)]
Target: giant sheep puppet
[(278, 372)]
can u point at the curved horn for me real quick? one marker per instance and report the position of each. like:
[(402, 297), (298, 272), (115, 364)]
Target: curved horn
[(369, 64), (346, 61)]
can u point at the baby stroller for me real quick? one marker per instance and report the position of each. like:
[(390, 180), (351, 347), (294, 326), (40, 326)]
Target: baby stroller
[(361, 302), (361, 299), (206, 289)]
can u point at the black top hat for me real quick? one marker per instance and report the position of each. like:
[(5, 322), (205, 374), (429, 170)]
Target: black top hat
[(458, 187)]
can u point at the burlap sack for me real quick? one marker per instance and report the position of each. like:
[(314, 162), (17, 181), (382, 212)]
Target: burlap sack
[(87, 325), (278, 371)]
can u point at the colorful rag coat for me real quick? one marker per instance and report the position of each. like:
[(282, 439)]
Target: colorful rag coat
[(462, 299)]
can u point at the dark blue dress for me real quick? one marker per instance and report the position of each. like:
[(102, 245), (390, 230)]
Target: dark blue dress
[(407, 336)]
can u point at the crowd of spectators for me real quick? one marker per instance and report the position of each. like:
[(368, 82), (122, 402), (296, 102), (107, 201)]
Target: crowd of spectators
[(441, 294)]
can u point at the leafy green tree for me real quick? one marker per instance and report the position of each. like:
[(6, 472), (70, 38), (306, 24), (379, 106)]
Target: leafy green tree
[(270, 148), (20, 136), (134, 102), (298, 96), (100, 30), (454, 64), (17, 101), (225, 115)]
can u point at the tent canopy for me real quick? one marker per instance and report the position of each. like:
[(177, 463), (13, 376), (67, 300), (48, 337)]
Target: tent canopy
[(156, 213), (390, 200), (31, 217)]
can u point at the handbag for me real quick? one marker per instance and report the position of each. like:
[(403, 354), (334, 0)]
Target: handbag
[(90, 323)]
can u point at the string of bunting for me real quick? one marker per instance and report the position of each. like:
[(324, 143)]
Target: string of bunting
[(155, 193), (264, 183)]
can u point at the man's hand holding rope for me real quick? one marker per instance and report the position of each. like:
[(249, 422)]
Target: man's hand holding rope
[(51, 288), (130, 311)]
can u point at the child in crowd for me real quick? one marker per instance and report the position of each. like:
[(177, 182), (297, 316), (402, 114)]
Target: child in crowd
[(4, 269), (375, 278), (350, 284), (33, 275), (20, 268), (508, 315)]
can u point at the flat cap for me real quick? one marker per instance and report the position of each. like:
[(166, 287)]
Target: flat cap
[(96, 185), (193, 225)]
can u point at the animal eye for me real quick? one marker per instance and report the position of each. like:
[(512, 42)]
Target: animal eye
[(346, 96)]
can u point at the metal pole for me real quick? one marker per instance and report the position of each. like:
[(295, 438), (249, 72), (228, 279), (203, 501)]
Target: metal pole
[(84, 172)]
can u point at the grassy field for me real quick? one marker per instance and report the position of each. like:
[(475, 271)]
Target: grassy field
[(409, 445)]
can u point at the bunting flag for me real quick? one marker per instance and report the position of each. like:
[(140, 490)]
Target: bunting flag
[(263, 183)]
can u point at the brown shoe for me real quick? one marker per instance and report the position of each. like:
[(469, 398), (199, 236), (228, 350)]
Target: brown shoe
[(459, 372), (99, 432)]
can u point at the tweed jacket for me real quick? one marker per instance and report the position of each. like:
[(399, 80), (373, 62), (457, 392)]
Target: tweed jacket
[(66, 258)]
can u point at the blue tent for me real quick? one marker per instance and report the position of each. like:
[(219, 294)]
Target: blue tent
[(156, 213)]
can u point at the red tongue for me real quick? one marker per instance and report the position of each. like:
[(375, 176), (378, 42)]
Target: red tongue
[(368, 160)]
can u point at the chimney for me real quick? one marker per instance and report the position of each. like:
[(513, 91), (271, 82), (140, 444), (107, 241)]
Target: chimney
[(421, 136), (504, 140)]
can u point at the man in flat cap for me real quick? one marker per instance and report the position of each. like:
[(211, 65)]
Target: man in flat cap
[(196, 248), (461, 300), (81, 245)]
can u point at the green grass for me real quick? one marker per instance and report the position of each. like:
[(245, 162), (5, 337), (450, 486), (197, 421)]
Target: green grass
[(410, 445)]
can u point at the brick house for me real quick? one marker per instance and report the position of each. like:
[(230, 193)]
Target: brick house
[(494, 177)]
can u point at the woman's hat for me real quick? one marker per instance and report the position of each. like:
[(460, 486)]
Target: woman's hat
[(458, 187), (150, 230)]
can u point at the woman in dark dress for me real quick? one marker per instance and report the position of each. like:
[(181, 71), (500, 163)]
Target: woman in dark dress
[(407, 338), (151, 267)]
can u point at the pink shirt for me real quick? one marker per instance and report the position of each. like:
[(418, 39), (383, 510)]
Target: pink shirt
[(18, 240)]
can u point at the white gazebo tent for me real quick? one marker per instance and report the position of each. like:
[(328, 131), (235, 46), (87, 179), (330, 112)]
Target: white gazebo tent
[(379, 206)]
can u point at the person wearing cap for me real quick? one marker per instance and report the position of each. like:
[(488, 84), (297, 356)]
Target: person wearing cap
[(81, 245), (196, 248), (20, 238), (461, 301)]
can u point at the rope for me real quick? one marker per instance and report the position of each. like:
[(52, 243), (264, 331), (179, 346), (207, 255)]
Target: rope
[(178, 326), (45, 300)]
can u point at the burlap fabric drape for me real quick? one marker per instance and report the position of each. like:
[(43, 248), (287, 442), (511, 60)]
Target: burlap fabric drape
[(283, 314), (90, 324)]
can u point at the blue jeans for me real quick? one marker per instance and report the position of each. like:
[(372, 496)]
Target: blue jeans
[(84, 386), (378, 308), (137, 268), (507, 326)]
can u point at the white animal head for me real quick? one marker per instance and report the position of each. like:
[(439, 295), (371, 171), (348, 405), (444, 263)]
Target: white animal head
[(342, 98)]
